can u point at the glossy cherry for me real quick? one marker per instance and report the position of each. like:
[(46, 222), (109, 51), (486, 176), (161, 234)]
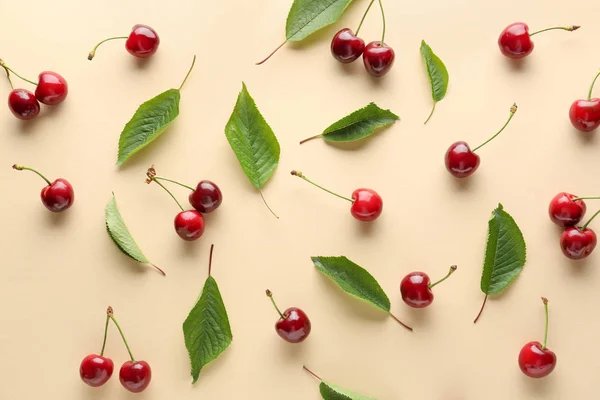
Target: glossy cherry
[(23, 104), (51, 89), (585, 114), (135, 376), (346, 47), (415, 288), (142, 42), (57, 196), (515, 40), (96, 370), (293, 325), (378, 58), (207, 197), (535, 359), (566, 209), (577, 243), (189, 225)]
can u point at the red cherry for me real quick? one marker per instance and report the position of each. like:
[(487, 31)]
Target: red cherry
[(535, 361), (367, 205), (189, 225), (207, 197), (58, 196), (415, 290), (293, 325), (135, 376), (378, 58), (461, 161), (23, 104), (52, 88), (515, 42), (585, 114), (96, 370), (564, 211), (346, 47), (142, 42), (577, 243)]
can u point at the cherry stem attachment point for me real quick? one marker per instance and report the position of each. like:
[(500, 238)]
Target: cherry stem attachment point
[(383, 19), (267, 204), (271, 55), (545, 300), (589, 220), (300, 175), (175, 182), (450, 272), (93, 52), (7, 69), (570, 28), (270, 295), (312, 373), (586, 198), (151, 177), (431, 113), (591, 87), (311, 138), (481, 310), (400, 322), (8, 76), (513, 110), (363, 17), (23, 168), (110, 315), (105, 335), (210, 257), (188, 73)]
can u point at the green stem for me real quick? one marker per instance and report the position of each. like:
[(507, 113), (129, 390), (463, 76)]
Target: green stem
[(513, 110), (570, 28), (93, 52), (7, 68), (270, 295), (123, 337), (189, 72), (431, 113), (592, 86), (363, 17), (21, 168), (452, 269), (586, 198), (590, 220), (105, 335), (545, 300), (8, 76), (383, 18), (171, 194), (175, 182), (267, 204), (300, 175)]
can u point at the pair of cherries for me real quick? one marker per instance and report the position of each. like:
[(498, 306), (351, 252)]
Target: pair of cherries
[(57, 196), (95, 370), (142, 42), (205, 198), (567, 210)]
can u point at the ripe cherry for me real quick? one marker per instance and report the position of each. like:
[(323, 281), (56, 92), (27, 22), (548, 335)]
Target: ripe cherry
[(416, 288), (461, 161), (52, 88), (23, 104), (58, 195), (189, 225), (346, 47), (566, 209), (96, 370), (135, 376), (293, 325), (585, 114), (577, 243), (207, 197), (535, 359), (142, 42), (367, 205), (515, 40), (378, 58)]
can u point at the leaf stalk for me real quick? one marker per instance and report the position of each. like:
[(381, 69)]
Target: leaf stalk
[(312, 373), (271, 55), (188, 73), (481, 310), (400, 322)]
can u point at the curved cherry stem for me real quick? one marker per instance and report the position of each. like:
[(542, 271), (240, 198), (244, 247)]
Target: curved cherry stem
[(188, 73), (363, 17), (591, 87), (383, 19), (431, 113), (93, 52), (270, 295), (300, 175), (450, 272), (267, 204), (481, 310), (589, 221), (271, 55), (311, 138), (586, 198), (24, 168), (513, 110), (8, 77), (8, 69), (175, 182), (110, 315), (400, 322), (570, 28), (171, 194), (105, 335), (545, 300), (312, 373)]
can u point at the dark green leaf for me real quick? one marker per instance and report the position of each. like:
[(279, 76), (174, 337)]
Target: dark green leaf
[(438, 74), (333, 392), (206, 330), (118, 232), (505, 253), (308, 16), (360, 124), (353, 279)]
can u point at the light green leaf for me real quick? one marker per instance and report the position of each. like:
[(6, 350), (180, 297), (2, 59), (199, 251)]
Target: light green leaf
[(505, 253), (118, 232), (437, 72), (353, 279), (308, 16), (333, 392), (206, 330)]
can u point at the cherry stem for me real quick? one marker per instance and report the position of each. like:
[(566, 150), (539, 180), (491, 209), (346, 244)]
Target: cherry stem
[(452, 269), (175, 182), (311, 138), (188, 73), (363, 17), (210, 257), (22, 167), (513, 110), (93, 52), (383, 19), (481, 310), (271, 55), (267, 204), (586, 198), (8, 77), (111, 316), (591, 87), (545, 300), (159, 270), (400, 322), (570, 28), (270, 295), (589, 220), (105, 335), (171, 194), (300, 175), (431, 113), (7, 69), (312, 373)]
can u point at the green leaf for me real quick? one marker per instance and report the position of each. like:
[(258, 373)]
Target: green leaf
[(353, 279), (360, 124), (333, 392), (308, 16), (148, 123), (118, 232), (252, 140), (206, 330), (505, 253), (437, 72)]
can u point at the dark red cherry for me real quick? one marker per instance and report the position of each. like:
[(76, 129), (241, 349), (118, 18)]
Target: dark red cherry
[(460, 161), (96, 370), (535, 361), (23, 104), (142, 42), (58, 196), (346, 47), (189, 225), (378, 58), (295, 327), (577, 244), (367, 205), (52, 88), (515, 42), (585, 114), (564, 211), (135, 376), (207, 197), (415, 290)]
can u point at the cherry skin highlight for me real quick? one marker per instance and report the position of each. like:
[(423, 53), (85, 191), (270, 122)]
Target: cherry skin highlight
[(346, 47), (415, 290), (585, 114), (96, 370), (135, 376), (23, 104), (367, 205), (52, 88), (189, 225), (577, 244), (564, 211), (460, 161), (142, 42), (207, 197), (515, 42), (58, 196), (378, 58), (295, 327), (535, 361)]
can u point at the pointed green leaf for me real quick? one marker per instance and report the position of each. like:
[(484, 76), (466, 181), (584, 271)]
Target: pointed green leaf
[(505, 253), (353, 279), (332, 392), (438, 74), (308, 16), (118, 232), (252, 140), (206, 330), (360, 124)]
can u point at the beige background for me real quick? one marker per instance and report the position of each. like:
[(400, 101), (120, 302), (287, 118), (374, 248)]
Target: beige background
[(61, 271)]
